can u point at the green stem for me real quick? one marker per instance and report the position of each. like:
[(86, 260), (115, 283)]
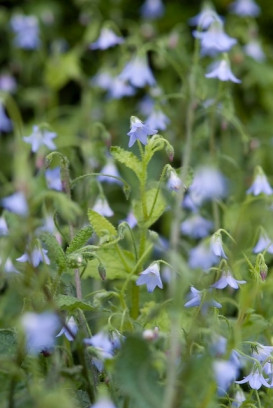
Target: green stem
[(258, 399)]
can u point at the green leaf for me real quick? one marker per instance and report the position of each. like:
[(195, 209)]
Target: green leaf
[(80, 239), (70, 303), (62, 68), (63, 205), (117, 267), (7, 342), (101, 225), (128, 159), (55, 251), (135, 374), (157, 207)]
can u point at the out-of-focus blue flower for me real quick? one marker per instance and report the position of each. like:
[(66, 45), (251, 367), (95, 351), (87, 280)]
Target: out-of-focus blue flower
[(260, 184), (205, 18), (263, 244), (245, 8), (150, 277), (102, 207), (104, 348), (7, 83), (146, 105), (262, 353), (138, 73), (152, 9), (139, 131), (3, 227), (16, 203), (40, 330), (255, 379), (214, 40), (196, 226), (239, 398), (195, 299), (222, 71), (109, 169), (174, 181), (225, 374), (208, 184), (157, 120), (26, 31), (103, 403), (202, 257), (227, 280), (8, 266), (40, 137), (254, 50), (102, 79), (53, 178), (36, 256), (119, 88), (73, 329), (131, 219), (5, 122), (216, 245), (106, 40)]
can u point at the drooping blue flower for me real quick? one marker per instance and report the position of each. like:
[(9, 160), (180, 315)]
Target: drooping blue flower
[(205, 18), (216, 245), (196, 226), (3, 227), (225, 374), (40, 137), (103, 346), (102, 80), (73, 329), (138, 73), (260, 184), (254, 50), (202, 257), (245, 8), (26, 31), (157, 120), (53, 178), (8, 266), (7, 83), (222, 71), (152, 9), (102, 207), (5, 122), (227, 280), (174, 182), (107, 39), (214, 40), (150, 277), (16, 203), (139, 131), (239, 398), (103, 403), (118, 88), (255, 379), (109, 169), (131, 219), (36, 256), (264, 244), (40, 330), (195, 299)]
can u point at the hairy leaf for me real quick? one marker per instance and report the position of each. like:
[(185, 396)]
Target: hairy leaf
[(155, 203), (102, 227), (80, 239), (128, 159), (55, 251), (7, 342), (70, 303)]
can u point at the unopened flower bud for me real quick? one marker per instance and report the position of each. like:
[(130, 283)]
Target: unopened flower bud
[(102, 271)]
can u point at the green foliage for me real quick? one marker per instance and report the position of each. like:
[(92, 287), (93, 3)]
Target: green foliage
[(7, 342), (62, 68), (128, 159), (79, 239), (70, 303), (156, 205), (56, 252), (101, 226)]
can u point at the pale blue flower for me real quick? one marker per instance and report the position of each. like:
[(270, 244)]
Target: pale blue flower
[(139, 131), (107, 39), (40, 137), (205, 18), (202, 257), (3, 227), (53, 178), (255, 379), (109, 169), (26, 31), (225, 374), (152, 9), (174, 182), (103, 80), (260, 185), (214, 40), (195, 299), (196, 226), (73, 329), (245, 8), (7, 83), (264, 244), (239, 398), (16, 203), (131, 219), (8, 266), (227, 280), (262, 353), (103, 346), (102, 207), (157, 120), (36, 256), (146, 105), (40, 330), (254, 50), (5, 122), (118, 88), (138, 73), (103, 403), (216, 245), (208, 184), (222, 71), (150, 277)]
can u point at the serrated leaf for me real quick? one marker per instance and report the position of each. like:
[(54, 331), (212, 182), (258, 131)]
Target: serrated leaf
[(80, 239), (135, 374), (101, 225), (128, 159), (7, 342), (70, 303), (158, 208), (115, 266), (55, 251)]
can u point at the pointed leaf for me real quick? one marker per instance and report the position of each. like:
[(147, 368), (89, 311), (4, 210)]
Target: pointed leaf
[(70, 303), (157, 207), (56, 253), (102, 227), (128, 159), (80, 239)]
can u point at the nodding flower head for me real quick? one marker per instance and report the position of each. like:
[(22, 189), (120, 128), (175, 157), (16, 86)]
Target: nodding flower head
[(138, 73), (107, 39), (150, 277), (260, 184), (139, 131), (222, 71)]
